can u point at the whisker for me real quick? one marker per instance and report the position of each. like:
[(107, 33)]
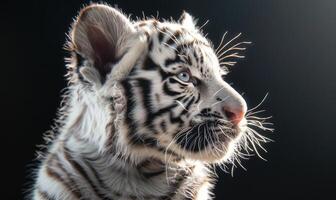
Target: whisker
[(181, 104), (198, 105), (234, 47), (257, 106), (221, 42), (228, 42), (253, 113), (204, 24), (170, 46), (258, 118), (229, 63), (170, 35), (217, 91), (255, 148), (234, 55)]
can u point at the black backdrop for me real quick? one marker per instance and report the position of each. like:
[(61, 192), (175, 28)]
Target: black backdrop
[(292, 57)]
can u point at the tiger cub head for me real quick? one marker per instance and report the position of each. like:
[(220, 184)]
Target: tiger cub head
[(175, 99)]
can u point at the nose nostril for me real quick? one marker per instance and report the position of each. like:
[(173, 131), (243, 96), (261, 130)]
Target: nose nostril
[(234, 117), (230, 115)]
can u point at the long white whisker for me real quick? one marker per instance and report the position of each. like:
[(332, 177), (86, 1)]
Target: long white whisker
[(234, 47), (205, 23), (217, 91), (253, 113), (198, 105), (221, 42), (234, 55), (257, 106), (181, 104), (228, 42)]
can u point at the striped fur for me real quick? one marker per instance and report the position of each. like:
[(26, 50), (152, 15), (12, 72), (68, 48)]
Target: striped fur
[(131, 128)]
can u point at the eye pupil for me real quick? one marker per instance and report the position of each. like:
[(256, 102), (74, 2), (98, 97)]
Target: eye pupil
[(184, 76)]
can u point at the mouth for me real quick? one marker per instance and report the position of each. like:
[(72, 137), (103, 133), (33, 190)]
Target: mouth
[(208, 138), (219, 126)]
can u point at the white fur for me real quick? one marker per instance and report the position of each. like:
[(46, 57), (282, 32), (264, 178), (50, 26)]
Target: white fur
[(94, 118)]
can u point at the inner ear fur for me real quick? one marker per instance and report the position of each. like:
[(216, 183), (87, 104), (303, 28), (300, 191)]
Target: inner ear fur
[(99, 35)]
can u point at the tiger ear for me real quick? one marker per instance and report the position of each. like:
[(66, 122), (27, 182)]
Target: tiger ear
[(187, 20), (99, 35)]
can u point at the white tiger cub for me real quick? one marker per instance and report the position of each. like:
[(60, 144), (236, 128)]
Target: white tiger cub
[(147, 112)]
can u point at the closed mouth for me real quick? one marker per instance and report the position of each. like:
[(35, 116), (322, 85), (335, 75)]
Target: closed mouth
[(207, 133), (215, 124)]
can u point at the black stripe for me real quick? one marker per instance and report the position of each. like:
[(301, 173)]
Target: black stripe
[(129, 101), (191, 101), (149, 64), (168, 91), (152, 174), (179, 98), (146, 89), (150, 45), (69, 183), (169, 152), (155, 23), (143, 140), (160, 112), (152, 143), (170, 61), (174, 37), (97, 176), (79, 60), (130, 105), (149, 173), (195, 55), (82, 172), (201, 58), (206, 112), (189, 60), (198, 98), (161, 34), (185, 99), (165, 75), (136, 138), (79, 64), (45, 195)]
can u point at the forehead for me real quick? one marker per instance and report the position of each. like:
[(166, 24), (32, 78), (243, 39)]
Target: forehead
[(187, 48), (200, 59)]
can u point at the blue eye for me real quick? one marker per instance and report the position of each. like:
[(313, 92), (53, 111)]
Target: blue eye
[(184, 76)]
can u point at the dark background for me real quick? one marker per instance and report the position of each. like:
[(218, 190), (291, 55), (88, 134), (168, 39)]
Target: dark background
[(292, 57)]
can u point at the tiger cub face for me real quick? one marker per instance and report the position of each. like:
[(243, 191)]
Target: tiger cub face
[(176, 99), (176, 94)]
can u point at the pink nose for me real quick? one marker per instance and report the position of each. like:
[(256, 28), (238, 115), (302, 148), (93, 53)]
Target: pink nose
[(234, 116)]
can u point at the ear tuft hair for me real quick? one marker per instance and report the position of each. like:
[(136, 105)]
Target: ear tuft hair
[(187, 20)]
